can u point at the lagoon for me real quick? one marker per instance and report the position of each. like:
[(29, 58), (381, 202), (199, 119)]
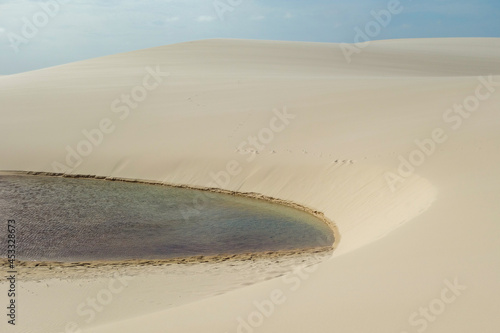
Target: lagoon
[(77, 219)]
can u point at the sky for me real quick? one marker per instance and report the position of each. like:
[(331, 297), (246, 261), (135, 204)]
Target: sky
[(41, 33)]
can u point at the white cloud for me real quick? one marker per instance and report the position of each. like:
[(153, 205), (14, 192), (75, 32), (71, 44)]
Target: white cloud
[(288, 15), (204, 18), (2, 30), (257, 18), (172, 19)]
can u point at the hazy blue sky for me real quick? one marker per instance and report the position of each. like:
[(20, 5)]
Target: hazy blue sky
[(36, 34)]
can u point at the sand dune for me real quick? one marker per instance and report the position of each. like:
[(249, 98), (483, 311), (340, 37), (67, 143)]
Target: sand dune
[(377, 144)]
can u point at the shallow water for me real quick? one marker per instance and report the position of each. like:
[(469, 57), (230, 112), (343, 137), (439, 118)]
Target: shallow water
[(69, 219)]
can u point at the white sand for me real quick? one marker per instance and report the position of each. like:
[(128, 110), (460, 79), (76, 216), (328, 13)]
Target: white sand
[(351, 122)]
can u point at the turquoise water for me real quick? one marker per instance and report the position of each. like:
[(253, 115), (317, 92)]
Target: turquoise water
[(69, 219)]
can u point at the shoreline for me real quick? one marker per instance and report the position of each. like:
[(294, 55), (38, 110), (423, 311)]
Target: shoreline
[(49, 269)]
